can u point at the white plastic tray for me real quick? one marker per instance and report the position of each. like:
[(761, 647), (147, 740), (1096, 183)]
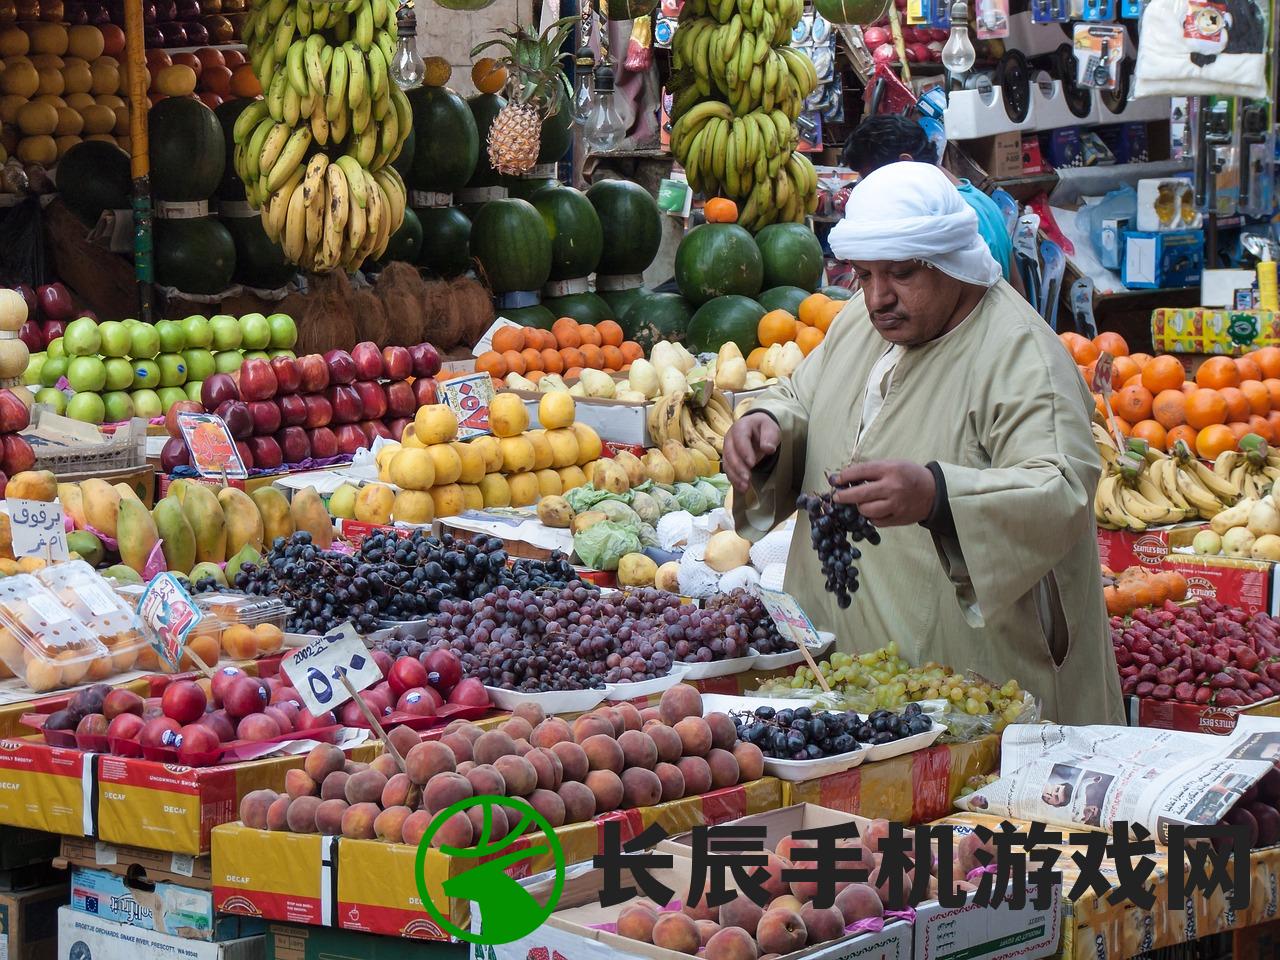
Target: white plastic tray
[(918, 741), (552, 702), (646, 688), (775, 661), (726, 703), (718, 668), (797, 770)]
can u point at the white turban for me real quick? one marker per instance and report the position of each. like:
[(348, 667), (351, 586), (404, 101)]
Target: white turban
[(911, 211)]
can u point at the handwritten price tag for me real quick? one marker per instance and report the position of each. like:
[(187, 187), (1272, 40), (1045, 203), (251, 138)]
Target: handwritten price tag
[(316, 670), (38, 529), (213, 449), (168, 615), (790, 619), (469, 398)]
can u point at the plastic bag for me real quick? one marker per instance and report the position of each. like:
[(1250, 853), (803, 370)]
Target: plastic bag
[(692, 499), (619, 513), (602, 545), (740, 577), (666, 500), (714, 495), (1107, 219), (586, 497), (645, 506)]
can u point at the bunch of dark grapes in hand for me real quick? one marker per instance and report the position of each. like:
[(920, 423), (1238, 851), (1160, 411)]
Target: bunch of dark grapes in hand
[(801, 734), (834, 528)]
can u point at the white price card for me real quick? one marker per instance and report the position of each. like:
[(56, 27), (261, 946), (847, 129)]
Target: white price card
[(790, 619), (316, 670), (38, 529)]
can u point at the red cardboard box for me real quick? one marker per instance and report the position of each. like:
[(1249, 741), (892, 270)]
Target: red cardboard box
[(1120, 549), (1246, 584), (46, 788), (1193, 717)]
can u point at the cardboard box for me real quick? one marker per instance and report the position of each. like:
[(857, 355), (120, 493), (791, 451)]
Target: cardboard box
[(21, 848), (1246, 584), (1162, 260), (291, 942), (46, 788), (1001, 155), (82, 937), (274, 876), (1120, 549), (1193, 717), (29, 922), (172, 908), (157, 864)]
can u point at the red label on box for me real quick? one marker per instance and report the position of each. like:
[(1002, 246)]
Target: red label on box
[(355, 531), (1244, 587), (1120, 549)]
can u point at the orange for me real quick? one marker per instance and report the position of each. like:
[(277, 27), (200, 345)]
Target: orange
[(488, 75), (491, 362), (1205, 408), (809, 339), (827, 315), (1239, 428), (1082, 351), (1273, 391), (552, 362), (572, 373), (1099, 408), (1123, 426), (1151, 432), (1249, 368), (1218, 372), (1170, 408), (1262, 427), (1132, 403), (1214, 439), (1184, 433), (566, 332), (1111, 343), (1128, 371), (514, 361), (509, 338), (592, 357), (1273, 418), (633, 351), (1268, 359), (572, 357), (1255, 391), (610, 333), (720, 210), (1133, 381), (754, 358), (244, 83), (532, 358), (809, 307), (1189, 386), (776, 326), (613, 359), (1141, 359), (590, 335), (1163, 373), (1237, 404), (216, 78)]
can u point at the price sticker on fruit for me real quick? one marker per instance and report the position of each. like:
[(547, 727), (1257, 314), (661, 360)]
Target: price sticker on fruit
[(39, 529), (213, 449), (316, 670)]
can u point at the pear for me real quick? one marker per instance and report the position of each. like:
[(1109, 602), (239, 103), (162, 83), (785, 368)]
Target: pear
[(1236, 516)]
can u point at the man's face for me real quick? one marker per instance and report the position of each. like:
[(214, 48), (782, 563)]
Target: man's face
[(909, 303), (1055, 794)]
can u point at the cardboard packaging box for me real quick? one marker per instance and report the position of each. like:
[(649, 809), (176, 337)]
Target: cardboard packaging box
[(1248, 584), (287, 941), (1000, 156), (165, 907), (46, 788), (29, 922), (21, 848), (1120, 549), (276, 876), (1193, 717), (1162, 260), (157, 864), (83, 937)]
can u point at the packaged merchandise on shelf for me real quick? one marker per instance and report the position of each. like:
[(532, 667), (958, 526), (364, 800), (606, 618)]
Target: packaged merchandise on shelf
[(164, 907)]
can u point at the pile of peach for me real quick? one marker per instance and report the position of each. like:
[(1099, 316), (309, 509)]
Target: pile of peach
[(614, 758)]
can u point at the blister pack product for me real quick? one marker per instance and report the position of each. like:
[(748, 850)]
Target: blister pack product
[(1098, 49)]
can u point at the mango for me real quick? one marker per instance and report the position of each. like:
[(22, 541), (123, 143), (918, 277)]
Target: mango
[(204, 570), (6, 537), (122, 574), (244, 522), (136, 533), (204, 513), (309, 514), (178, 488), (101, 505), (127, 491), (72, 502), (87, 545), (277, 521), (246, 554), (33, 485), (177, 539)]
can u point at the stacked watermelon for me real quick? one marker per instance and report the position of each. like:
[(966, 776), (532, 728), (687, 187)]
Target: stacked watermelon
[(445, 159)]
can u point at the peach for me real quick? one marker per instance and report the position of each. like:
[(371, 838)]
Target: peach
[(278, 812), (724, 769), (455, 832), (706, 930), (732, 943), (486, 781), (785, 902), (323, 760), (357, 821), (400, 791), (699, 909), (517, 728), (548, 767), (465, 727), (742, 912), (427, 759), (966, 855), (781, 931), (550, 805), (403, 739), (518, 774), (696, 773), (491, 745), (334, 786), (822, 923), (638, 749), (365, 787), (723, 733), (675, 931), (329, 816), (640, 787), (385, 764), (615, 718), (603, 753), (529, 712), (354, 766), (630, 716), (444, 790), (649, 713), (885, 880), (695, 736), (873, 833), (460, 745), (298, 784), (389, 824), (591, 725), (301, 816), (750, 761), (253, 808), (465, 767), (550, 731), (523, 747), (635, 922), (665, 739), (607, 788), (858, 901), (579, 801), (787, 844), (414, 827), (497, 828), (573, 760), (774, 885), (679, 702)]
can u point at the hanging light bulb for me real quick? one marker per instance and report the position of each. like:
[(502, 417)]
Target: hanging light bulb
[(610, 116), (958, 55), (407, 67), (584, 64)]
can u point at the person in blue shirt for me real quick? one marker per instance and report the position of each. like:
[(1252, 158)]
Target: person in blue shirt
[(889, 138)]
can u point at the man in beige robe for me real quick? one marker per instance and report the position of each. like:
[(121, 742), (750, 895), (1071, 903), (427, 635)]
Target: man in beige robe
[(944, 407)]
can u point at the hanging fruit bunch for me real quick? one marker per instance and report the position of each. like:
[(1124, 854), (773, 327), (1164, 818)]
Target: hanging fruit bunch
[(537, 89), (738, 89), (315, 152)]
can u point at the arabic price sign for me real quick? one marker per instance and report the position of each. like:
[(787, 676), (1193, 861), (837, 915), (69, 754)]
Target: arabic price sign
[(469, 398), (316, 670), (38, 529), (790, 619), (212, 448)]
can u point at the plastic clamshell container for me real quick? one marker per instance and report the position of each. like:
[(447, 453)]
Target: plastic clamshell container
[(41, 639), (99, 608), (243, 610)]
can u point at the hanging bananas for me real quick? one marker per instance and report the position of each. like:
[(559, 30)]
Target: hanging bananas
[(738, 91), (325, 72)]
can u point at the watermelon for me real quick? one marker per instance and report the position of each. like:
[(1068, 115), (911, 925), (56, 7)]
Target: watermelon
[(231, 186), (631, 224), (783, 298), (792, 256), (726, 318), (510, 240), (574, 230), (557, 129), (446, 241), (715, 259), (403, 164), (838, 293), (584, 307), (445, 156), (259, 262), (188, 150), (659, 316), (196, 255), (534, 316), (484, 108), (94, 176), (622, 300), (526, 188), (405, 244)]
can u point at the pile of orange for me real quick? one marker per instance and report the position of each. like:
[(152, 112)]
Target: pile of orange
[(807, 329), (1155, 398), (1137, 587), (567, 348)]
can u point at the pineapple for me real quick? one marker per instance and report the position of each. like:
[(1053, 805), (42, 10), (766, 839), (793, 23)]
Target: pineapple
[(537, 89)]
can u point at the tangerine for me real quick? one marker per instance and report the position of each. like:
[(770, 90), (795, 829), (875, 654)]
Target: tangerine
[(566, 332), (590, 335), (1133, 403), (631, 351), (509, 338), (1163, 373), (552, 362), (532, 358), (809, 308), (809, 339), (610, 333), (1152, 432), (592, 357), (1218, 372), (491, 362), (612, 357), (1111, 343), (514, 361), (1205, 408), (776, 326), (572, 357), (1169, 408), (827, 315), (1213, 440)]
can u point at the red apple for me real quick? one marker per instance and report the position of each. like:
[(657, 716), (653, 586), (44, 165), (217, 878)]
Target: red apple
[(323, 443), (183, 701), (309, 721), (294, 445), (342, 368), (220, 724), (470, 692), (266, 416), (32, 335), (406, 673), (197, 742), (55, 302), (243, 696), (400, 400), (33, 302), (282, 717), (346, 402), (319, 410), (221, 679), (174, 454), (257, 726), (92, 725), (53, 329), (283, 693), (444, 670), (384, 661), (246, 455), (368, 360), (424, 391), (313, 373), (266, 452), (15, 416), (426, 360), (293, 410), (349, 438), (397, 362), (236, 415), (171, 415), (288, 378), (18, 455), (125, 726), (373, 429), (257, 380), (121, 701), (396, 427), (159, 732), (217, 390), (372, 398)]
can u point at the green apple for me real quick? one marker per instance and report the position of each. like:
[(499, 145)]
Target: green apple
[(171, 395), (56, 347), (200, 363), (198, 331), (284, 332), (119, 374), (228, 361), (342, 502), (52, 370), (144, 342), (118, 406), (257, 355), (52, 397), (115, 338), (282, 353), (192, 389), (173, 369), (82, 338), (86, 374), (255, 331), (173, 339), (226, 332), (131, 322), (146, 373), (87, 407), (31, 376), (146, 404)]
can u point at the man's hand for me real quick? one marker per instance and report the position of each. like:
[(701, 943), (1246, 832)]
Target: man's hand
[(752, 439), (889, 493)]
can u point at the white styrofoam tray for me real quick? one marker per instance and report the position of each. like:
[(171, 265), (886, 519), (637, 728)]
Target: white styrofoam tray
[(552, 702), (775, 661), (719, 668), (646, 688)]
